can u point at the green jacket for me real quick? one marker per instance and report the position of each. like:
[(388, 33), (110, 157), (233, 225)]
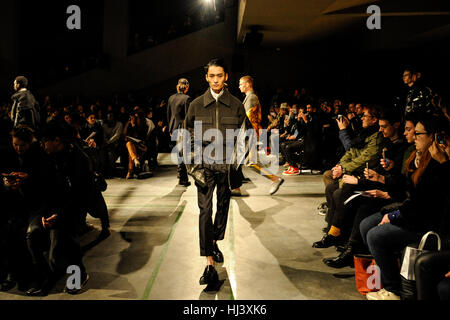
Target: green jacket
[(354, 160)]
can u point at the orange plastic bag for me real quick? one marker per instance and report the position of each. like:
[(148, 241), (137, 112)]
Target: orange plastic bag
[(367, 275)]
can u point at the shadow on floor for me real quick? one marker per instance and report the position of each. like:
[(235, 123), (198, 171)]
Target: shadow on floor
[(224, 290), (285, 248), (155, 222)]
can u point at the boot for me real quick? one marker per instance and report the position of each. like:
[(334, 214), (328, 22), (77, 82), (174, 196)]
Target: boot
[(344, 259)]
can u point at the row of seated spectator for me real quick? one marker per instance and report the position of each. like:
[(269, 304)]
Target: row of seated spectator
[(395, 159), (48, 187), (108, 133), (402, 191)]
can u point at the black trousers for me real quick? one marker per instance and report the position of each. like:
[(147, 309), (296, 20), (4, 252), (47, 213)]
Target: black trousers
[(331, 201), (430, 270), (289, 148), (98, 209), (208, 229), (61, 243), (182, 173)]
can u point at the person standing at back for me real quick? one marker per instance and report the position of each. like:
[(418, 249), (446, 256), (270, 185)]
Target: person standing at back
[(177, 109), (25, 109)]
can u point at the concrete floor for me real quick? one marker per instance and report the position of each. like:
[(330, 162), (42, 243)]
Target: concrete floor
[(153, 252)]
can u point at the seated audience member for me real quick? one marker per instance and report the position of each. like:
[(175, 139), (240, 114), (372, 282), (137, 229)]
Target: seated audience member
[(293, 143), (92, 134), (135, 133), (364, 151), (112, 130), (331, 151), (388, 232), (123, 116), (21, 169), (349, 127), (152, 140), (379, 193), (313, 136), (432, 270), (68, 187)]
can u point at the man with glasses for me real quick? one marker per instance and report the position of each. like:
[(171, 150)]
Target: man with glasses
[(363, 152)]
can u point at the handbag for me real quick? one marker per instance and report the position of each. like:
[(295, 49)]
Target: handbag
[(410, 255), (367, 275)]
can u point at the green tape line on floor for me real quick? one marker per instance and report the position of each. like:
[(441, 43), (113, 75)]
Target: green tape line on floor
[(232, 260), (151, 281)]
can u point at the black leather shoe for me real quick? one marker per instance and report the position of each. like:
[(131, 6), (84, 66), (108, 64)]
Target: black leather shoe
[(37, 292), (217, 254), (327, 241), (345, 259), (184, 183), (39, 288), (209, 276)]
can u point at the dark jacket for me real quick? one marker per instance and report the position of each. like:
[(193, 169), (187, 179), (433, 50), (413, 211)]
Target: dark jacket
[(69, 185), (28, 198), (177, 108), (227, 113), (95, 132), (427, 203), (25, 109), (419, 99)]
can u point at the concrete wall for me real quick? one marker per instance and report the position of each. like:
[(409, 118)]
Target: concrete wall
[(151, 66)]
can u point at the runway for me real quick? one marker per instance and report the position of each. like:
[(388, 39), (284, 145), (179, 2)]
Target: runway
[(153, 252)]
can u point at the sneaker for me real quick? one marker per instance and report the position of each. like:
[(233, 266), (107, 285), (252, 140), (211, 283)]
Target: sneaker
[(289, 169), (322, 209), (292, 172), (382, 295)]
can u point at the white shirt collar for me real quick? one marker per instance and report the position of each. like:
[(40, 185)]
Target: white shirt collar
[(216, 95)]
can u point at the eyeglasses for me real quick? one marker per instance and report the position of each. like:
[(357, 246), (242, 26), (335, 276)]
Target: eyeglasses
[(419, 133)]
